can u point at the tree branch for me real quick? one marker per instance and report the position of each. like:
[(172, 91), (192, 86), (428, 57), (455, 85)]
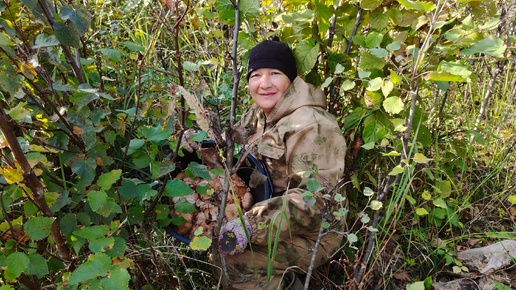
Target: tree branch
[(31, 180)]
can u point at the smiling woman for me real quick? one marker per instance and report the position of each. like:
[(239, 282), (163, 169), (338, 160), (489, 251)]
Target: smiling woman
[(294, 135), (267, 86)]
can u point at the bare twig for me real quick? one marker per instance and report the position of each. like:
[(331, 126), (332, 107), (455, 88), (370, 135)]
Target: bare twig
[(336, 86), (230, 148)]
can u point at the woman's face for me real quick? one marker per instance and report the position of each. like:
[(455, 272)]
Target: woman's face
[(267, 86)]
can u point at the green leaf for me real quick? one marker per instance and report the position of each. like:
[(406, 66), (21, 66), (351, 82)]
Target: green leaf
[(421, 211), (93, 232), (313, 185), (107, 179), (85, 169), (199, 231), (97, 265), (444, 77), (200, 243), (379, 19), (417, 5), (323, 14), (121, 277), (439, 202), (512, 199), (359, 40), (178, 220), (38, 266), (374, 84), (347, 85), (396, 170), (387, 87), (67, 33), (111, 53), (17, 263), (368, 146), (352, 238), (454, 68), (8, 80), (379, 52), (393, 46), (199, 170), (101, 244), (19, 113), (370, 4), (43, 40), (129, 189), (39, 227), (368, 191), (416, 286), (190, 66), (80, 16), (176, 187), (184, 206), (97, 199), (393, 105), (373, 39), (369, 61), (488, 46), (306, 53), (250, 9), (133, 47), (226, 11), (420, 158)]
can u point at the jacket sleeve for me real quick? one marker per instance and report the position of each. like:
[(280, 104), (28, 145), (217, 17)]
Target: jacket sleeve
[(321, 144)]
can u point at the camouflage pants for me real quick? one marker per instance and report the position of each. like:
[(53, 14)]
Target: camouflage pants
[(249, 269)]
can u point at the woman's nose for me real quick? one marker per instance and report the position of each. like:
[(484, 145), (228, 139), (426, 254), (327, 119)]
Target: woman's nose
[(265, 81)]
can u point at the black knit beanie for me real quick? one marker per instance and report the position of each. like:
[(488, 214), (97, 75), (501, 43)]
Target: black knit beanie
[(272, 54)]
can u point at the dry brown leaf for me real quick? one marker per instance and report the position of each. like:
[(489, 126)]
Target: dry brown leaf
[(402, 276), (210, 157), (473, 242)]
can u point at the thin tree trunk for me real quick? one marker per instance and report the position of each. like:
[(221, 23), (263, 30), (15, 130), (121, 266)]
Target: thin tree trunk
[(487, 97), (218, 258), (32, 181)]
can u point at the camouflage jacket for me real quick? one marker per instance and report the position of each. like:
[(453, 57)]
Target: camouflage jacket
[(297, 134)]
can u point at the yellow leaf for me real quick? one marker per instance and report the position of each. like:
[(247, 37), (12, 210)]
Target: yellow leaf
[(12, 175), (396, 170), (37, 171), (512, 199), (38, 148), (421, 211), (28, 71), (376, 205), (426, 195), (420, 158), (77, 130)]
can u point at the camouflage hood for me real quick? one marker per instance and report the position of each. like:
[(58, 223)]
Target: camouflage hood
[(298, 95)]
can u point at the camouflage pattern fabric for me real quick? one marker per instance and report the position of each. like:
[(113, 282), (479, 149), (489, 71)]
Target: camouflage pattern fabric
[(298, 131)]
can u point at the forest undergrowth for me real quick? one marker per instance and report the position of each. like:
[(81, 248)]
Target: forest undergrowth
[(97, 99)]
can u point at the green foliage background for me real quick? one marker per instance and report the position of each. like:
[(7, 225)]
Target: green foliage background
[(424, 92)]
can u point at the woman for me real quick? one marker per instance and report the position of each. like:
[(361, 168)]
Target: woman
[(292, 131)]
